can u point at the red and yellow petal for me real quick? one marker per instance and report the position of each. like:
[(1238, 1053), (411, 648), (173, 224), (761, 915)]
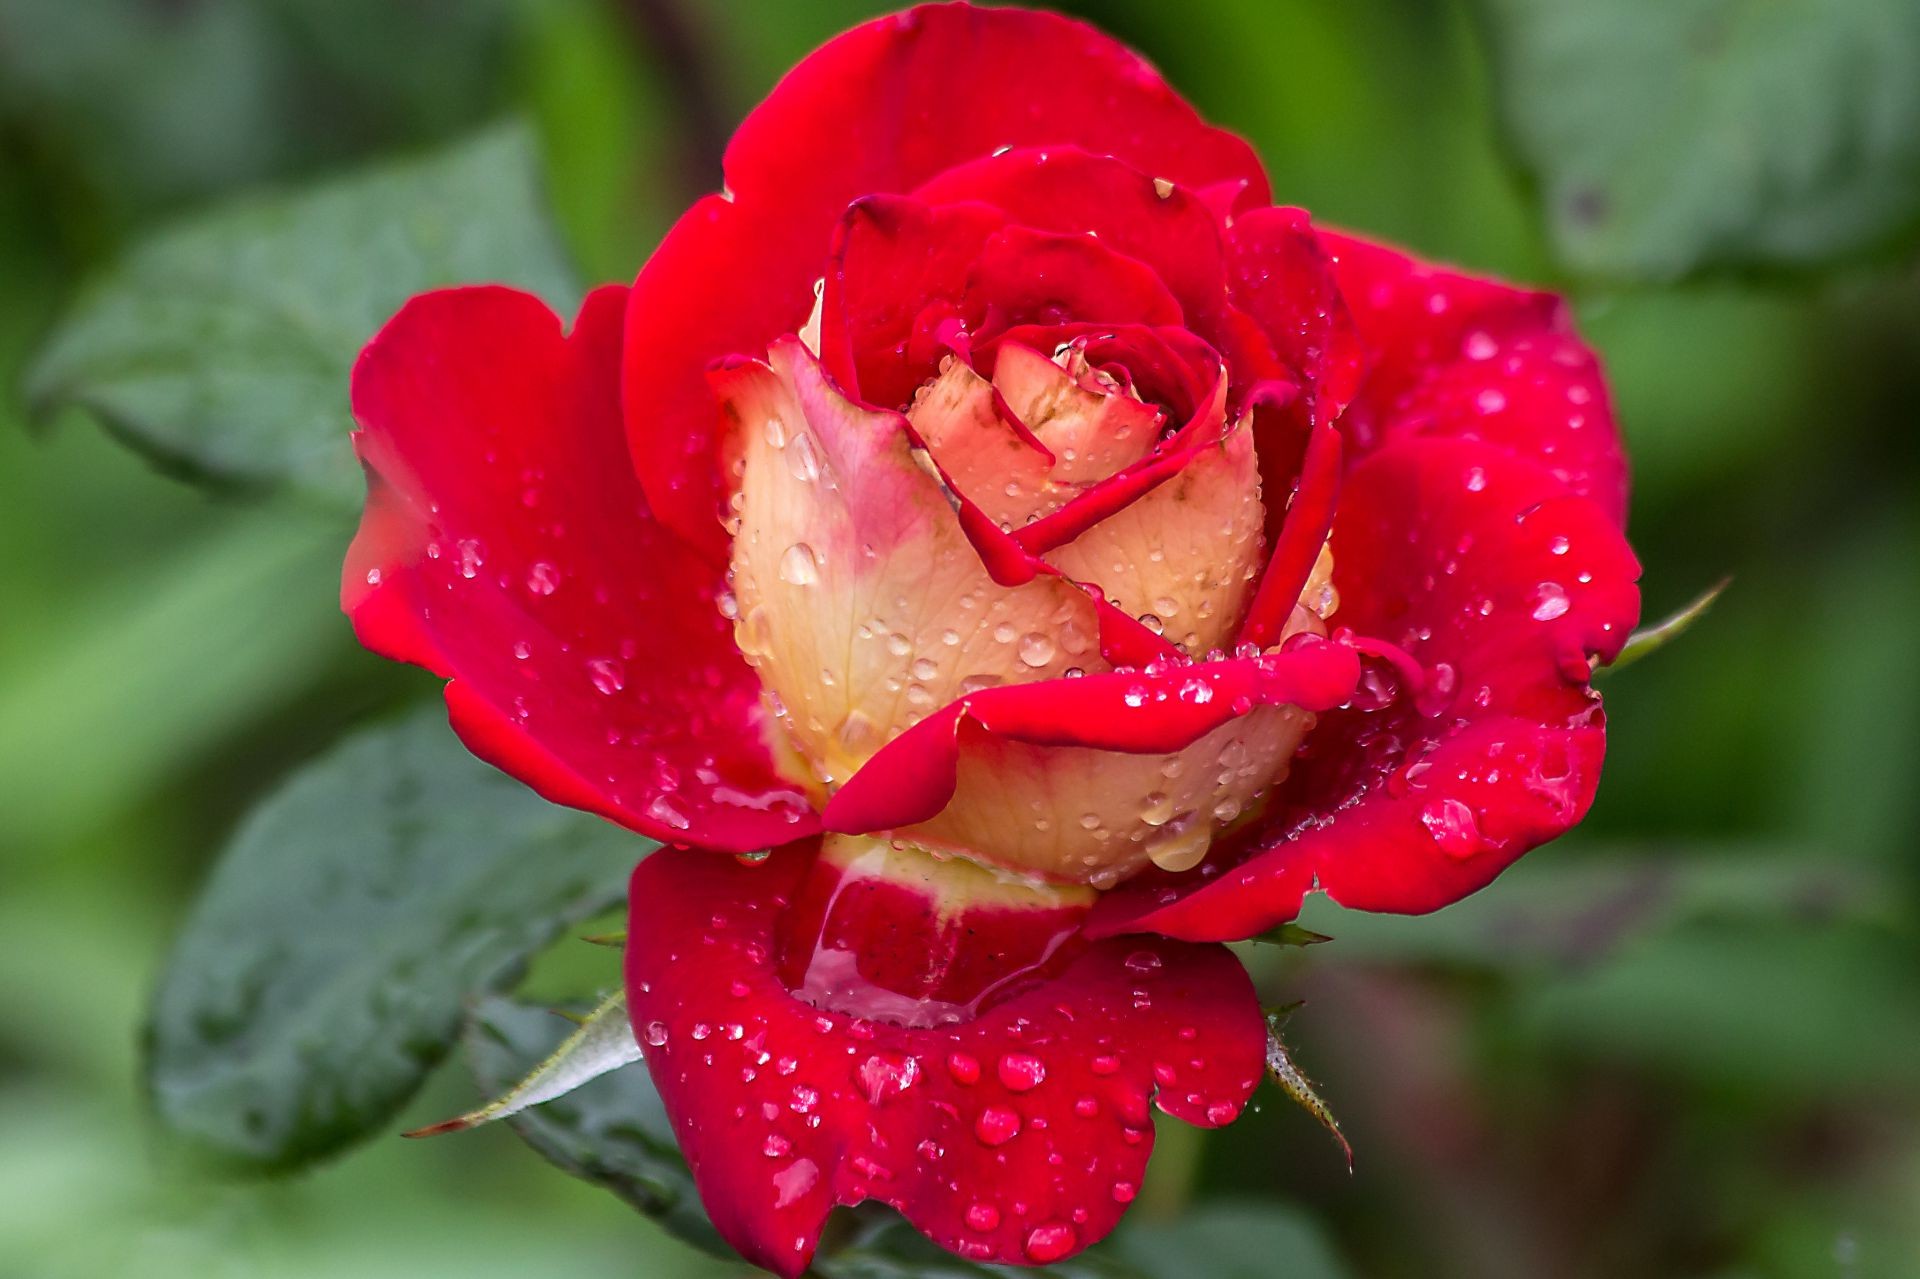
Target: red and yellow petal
[(859, 597), (1088, 779), (1019, 1136), (507, 548), (1500, 586), (882, 108)]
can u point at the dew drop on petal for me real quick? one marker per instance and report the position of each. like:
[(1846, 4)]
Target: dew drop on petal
[(1036, 650), (1021, 1072), (997, 1125), (799, 566), (1048, 1244), (1550, 601), (983, 1217)]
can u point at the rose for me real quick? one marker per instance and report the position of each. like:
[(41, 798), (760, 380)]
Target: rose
[(1064, 560)]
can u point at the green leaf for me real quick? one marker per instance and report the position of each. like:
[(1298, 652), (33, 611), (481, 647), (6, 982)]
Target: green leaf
[(1685, 134), (1232, 1240), (222, 348), (1291, 934), (1561, 910), (325, 969), (1651, 639), (611, 1131), (601, 1042)]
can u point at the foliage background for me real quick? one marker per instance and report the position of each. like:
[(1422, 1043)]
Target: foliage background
[(1680, 1043)]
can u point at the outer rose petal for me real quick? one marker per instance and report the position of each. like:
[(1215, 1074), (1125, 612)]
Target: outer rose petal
[(1451, 354), (882, 108), (507, 547), (1086, 779), (1019, 1136), (850, 561), (1500, 584)]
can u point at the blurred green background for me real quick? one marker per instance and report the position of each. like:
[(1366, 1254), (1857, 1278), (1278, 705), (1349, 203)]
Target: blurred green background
[(1683, 1042)]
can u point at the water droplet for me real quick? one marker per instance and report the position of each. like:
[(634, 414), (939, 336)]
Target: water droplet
[(1156, 809), (656, 1034), (1048, 1244), (606, 674), (803, 459), (1124, 1191), (1021, 1072), (793, 1181), (799, 566), (542, 578), (1036, 650), (1550, 601), (983, 1217), (472, 556), (963, 1068), (1451, 824), (1143, 961), (997, 1125), (668, 813)]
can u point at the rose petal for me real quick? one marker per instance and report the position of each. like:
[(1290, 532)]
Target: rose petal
[(849, 561), (1018, 1137), (1500, 585), (1069, 190), (1186, 552), (507, 547), (898, 265), (1042, 277), (882, 108), (1009, 774), (1281, 277), (1451, 354)]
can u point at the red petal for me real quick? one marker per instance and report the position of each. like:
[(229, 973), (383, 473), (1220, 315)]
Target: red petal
[(506, 547), (1500, 584), (1282, 278), (1019, 1136), (1068, 190), (882, 108), (892, 258), (1041, 277), (1451, 354), (1142, 713)]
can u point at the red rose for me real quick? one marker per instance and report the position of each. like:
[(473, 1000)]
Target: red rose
[(1063, 559)]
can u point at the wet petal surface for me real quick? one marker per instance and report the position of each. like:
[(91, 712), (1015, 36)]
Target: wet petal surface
[(507, 547)]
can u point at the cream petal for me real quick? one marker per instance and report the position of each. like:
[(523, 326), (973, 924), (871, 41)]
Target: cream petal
[(856, 595)]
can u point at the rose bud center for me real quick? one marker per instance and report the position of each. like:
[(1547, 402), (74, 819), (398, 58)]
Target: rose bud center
[(864, 606)]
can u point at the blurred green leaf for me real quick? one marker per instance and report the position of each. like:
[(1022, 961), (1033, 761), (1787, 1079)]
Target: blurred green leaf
[(222, 348), (1826, 1013), (323, 973), (108, 697), (1686, 134), (1232, 1240), (1559, 910), (143, 104)]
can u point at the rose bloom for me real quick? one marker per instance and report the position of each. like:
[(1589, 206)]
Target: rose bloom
[(1061, 558)]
